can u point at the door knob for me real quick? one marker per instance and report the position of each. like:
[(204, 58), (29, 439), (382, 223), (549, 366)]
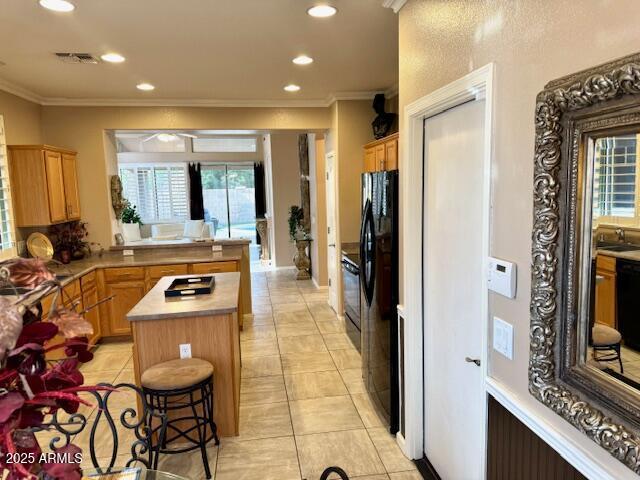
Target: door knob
[(472, 360)]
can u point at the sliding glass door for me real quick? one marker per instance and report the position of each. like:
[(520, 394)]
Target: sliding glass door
[(229, 200)]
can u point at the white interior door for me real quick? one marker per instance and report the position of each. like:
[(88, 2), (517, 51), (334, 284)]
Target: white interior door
[(332, 250), (454, 301)]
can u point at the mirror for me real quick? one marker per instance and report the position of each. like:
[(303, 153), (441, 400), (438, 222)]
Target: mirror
[(613, 338), (584, 360)]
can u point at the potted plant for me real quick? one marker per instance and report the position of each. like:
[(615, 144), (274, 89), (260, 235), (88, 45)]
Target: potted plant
[(302, 240), (131, 222), (69, 241)]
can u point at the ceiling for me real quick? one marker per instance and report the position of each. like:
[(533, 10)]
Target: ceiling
[(198, 51)]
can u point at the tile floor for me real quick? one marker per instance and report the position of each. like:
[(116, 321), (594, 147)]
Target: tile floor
[(303, 405), (630, 362)]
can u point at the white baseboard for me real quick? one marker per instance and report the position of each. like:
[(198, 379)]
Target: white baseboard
[(321, 288), (568, 449)]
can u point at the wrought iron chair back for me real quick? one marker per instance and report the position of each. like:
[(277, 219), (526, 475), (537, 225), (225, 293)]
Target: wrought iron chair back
[(141, 451)]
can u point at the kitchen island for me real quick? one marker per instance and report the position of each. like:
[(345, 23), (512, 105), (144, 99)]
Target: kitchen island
[(208, 323)]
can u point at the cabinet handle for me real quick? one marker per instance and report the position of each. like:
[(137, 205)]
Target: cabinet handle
[(167, 271)]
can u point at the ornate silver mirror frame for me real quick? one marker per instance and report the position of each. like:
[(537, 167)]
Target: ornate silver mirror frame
[(568, 111)]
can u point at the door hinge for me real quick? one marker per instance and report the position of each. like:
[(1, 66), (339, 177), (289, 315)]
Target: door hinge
[(327, 175), (329, 282)]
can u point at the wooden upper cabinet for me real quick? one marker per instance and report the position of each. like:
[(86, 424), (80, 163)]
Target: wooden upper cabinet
[(55, 186), (70, 177), (382, 154), (44, 185), (370, 160)]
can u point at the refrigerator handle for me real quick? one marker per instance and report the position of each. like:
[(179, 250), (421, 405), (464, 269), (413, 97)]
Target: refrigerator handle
[(368, 252)]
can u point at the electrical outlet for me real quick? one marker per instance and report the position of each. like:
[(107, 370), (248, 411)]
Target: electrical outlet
[(127, 253), (503, 337), (185, 350), (216, 248)]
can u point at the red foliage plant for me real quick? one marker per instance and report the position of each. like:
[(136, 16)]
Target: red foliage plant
[(32, 389)]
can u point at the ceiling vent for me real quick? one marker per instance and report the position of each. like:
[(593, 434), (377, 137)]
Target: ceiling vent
[(70, 57)]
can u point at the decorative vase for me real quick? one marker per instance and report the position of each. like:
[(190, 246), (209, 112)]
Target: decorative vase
[(65, 256), (77, 255), (302, 260)]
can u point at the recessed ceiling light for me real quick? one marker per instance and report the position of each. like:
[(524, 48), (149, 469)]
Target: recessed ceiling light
[(58, 5), (292, 88), (302, 60), (147, 87), (112, 58), (322, 11)]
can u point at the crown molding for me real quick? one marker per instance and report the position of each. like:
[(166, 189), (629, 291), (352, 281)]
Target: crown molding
[(392, 91), (172, 102), (19, 91), (396, 5), (177, 102)]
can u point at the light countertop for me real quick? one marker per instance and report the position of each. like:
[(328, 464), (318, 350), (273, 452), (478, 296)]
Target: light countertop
[(143, 258), (149, 243), (632, 255), (155, 306)]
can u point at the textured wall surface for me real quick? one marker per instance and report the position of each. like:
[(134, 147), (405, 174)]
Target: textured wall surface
[(531, 42)]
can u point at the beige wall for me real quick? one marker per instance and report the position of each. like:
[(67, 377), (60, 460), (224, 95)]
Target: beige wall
[(354, 130), (83, 129), (531, 42), (21, 120), (286, 192), (318, 194)]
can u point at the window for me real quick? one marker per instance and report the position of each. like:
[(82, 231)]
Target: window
[(158, 191), (224, 145), (615, 171), (7, 234)]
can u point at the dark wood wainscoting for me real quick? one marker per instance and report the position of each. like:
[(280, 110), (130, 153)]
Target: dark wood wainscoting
[(515, 452)]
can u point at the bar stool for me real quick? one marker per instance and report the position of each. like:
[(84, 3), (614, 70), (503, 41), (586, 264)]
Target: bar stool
[(184, 387)]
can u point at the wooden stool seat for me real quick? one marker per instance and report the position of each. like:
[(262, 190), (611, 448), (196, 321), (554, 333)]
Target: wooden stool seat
[(176, 374)]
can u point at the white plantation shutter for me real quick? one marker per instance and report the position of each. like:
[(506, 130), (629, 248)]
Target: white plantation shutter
[(159, 192), (614, 189), (7, 233)]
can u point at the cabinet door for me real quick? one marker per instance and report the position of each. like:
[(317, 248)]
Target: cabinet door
[(214, 267), (55, 186), (380, 157), (126, 296), (391, 155), (90, 298), (606, 298), (71, 186), (370, 160)]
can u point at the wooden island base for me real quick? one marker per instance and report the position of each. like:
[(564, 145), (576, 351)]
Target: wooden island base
[(209, 323)]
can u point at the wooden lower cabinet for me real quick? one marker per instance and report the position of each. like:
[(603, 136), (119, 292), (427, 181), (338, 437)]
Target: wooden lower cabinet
[(214, 267), (89, 298), (125, 296), (606, 312)]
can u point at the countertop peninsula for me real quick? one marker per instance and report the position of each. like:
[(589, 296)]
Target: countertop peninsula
[(155, 306), (78, 268)]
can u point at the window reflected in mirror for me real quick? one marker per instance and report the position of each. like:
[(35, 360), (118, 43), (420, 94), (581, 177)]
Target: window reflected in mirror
[(614, 297)]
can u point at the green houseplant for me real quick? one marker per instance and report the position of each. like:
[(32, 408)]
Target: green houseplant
[(130, 214)]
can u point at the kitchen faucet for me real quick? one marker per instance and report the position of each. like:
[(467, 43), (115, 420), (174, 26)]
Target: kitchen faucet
[(621, 235)]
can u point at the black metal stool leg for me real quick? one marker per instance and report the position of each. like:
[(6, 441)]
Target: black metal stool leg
[(617, 349), (207, 392), (201, 435)]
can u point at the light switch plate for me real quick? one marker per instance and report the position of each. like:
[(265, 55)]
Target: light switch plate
[(503, 337), (185, 350), (127, 253), (216, 248)]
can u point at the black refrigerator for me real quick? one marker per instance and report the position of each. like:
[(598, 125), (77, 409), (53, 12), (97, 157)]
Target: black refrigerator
[(379, 291)]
